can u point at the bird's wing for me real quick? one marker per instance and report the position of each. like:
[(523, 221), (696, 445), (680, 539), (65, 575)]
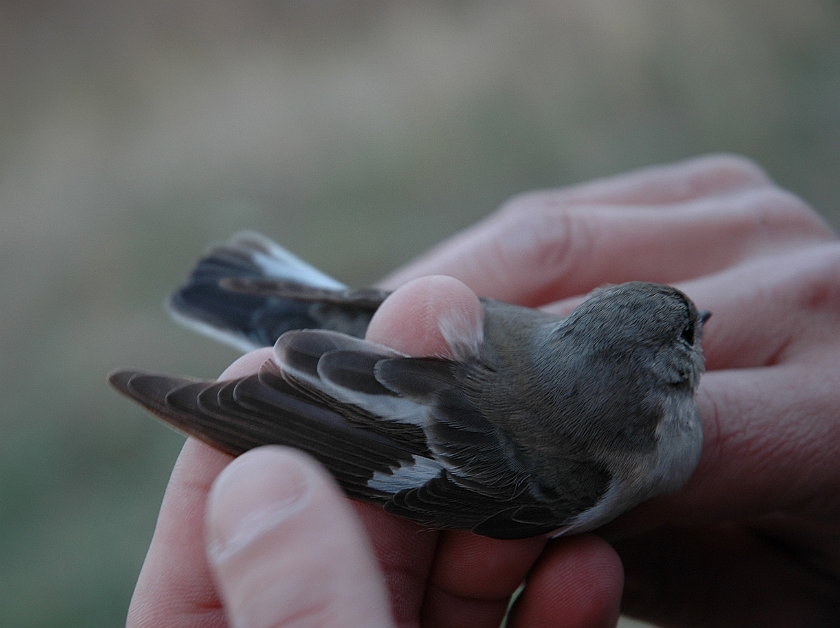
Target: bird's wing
[(393, 430), (237, 415)]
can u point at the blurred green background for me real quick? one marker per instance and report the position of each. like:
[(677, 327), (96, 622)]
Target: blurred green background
[(357, 133)]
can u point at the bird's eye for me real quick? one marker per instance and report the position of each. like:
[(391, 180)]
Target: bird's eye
[(687, 333)]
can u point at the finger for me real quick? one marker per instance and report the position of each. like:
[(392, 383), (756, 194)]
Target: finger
[(577, 582), (540, 248), (175, 587), (668, 581), (421, 317), (474, 577), (770, 310), (287, 550), (175, 583), (247, 364), (772, 443), (666, 184), (405, 552)]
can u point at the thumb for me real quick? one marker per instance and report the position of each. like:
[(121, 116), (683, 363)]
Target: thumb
[(287, 549)]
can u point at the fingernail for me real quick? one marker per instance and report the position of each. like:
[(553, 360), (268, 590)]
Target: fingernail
[(254, 494)]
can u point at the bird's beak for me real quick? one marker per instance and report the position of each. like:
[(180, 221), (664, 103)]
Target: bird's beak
[(704, 316)]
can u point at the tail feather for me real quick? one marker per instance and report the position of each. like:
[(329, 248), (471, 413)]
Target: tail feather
[(214, 302)]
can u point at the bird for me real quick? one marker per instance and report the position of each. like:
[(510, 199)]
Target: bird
[(537, 424)]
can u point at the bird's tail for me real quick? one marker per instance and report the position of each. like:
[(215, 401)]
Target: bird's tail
[(249, 290)]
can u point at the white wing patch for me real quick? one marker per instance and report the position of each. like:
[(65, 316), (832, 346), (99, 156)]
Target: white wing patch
[(407, 475)]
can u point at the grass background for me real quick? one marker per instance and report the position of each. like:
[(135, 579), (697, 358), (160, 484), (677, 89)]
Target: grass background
[(356, 132)]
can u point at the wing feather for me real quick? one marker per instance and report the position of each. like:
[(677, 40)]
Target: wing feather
[(393, 430)]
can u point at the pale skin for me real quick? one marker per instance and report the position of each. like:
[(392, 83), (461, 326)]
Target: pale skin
[(752, 540)]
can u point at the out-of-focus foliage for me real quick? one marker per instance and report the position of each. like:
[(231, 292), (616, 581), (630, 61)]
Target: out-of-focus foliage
[(132, 134)]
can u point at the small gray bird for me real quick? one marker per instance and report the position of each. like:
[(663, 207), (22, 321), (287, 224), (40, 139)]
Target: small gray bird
[(538, 425)]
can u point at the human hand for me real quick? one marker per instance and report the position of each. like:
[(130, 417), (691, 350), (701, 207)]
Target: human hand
[(299, 553), (720, 229), (754, 538)]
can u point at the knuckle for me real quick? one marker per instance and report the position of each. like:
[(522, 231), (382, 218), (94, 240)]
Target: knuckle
[(820, 285), (524, 205), (731, 166), (773, 209), (549, 238)]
